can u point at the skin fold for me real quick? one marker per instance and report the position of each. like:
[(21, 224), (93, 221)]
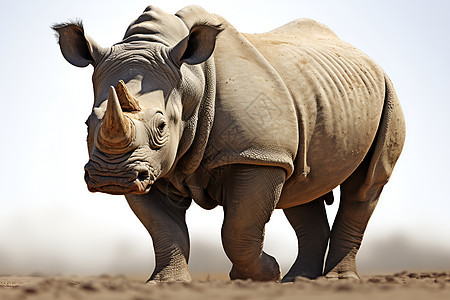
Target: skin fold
[(188, 108)]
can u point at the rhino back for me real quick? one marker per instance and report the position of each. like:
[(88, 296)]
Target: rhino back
[(338, 93)]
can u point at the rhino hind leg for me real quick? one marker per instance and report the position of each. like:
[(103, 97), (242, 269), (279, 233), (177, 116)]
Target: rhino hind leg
[(359, 196), (312, 229), (361, 191), (347, 234)]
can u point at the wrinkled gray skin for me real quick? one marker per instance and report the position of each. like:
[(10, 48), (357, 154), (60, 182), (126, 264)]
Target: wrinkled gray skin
[(248, 122)]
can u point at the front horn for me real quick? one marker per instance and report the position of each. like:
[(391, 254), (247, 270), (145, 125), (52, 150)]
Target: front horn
[(116, 131)]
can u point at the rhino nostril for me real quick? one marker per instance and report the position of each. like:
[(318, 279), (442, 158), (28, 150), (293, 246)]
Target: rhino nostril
[(142, 175)]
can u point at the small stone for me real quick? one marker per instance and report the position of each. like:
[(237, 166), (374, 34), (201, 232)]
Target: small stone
[(401, 274), (390, 279), (89, 286), (374, 280), (30, 290)]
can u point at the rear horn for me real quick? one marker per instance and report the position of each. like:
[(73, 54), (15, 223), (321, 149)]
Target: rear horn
[(127, 102)]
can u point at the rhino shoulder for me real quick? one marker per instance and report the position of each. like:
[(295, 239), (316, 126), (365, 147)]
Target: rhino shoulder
[(307, 28)]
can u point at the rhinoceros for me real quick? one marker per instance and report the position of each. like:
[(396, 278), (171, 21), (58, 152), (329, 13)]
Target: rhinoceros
[(188, 108)]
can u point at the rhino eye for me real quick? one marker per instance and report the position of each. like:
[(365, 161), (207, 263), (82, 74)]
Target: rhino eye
[(158, 132), (161, 126)]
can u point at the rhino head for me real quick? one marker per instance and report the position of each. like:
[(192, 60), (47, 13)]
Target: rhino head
[(143, 87)]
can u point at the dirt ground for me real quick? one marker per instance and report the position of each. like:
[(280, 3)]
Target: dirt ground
[(404, 285)]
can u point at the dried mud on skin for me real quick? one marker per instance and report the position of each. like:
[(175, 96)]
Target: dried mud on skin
[(404, 285)]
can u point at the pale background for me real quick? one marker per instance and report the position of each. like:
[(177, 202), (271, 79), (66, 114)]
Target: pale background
[(50, 223)]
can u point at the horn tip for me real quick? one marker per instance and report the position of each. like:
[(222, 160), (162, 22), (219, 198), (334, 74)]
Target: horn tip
[(120, 84), (111, 89)]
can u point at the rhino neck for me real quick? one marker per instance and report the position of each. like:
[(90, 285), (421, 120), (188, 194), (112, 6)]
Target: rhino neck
[(198, 118)]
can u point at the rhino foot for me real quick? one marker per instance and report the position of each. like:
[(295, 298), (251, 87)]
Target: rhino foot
[(165, 278), (350, 275), (345, 269), (267, 269)]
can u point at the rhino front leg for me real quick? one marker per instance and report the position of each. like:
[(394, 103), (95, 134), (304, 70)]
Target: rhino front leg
[(250, 194), (164, 219), (311, 227)]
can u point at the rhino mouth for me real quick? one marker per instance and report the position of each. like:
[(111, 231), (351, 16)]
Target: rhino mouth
[(137, 181)]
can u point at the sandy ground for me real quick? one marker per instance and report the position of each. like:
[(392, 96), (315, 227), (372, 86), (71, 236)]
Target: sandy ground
[(404, 285)]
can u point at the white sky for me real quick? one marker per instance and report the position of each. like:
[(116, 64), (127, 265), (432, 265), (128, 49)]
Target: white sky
[(50, 222)]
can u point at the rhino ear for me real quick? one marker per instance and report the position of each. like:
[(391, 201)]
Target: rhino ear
[(197, 46), (76, 47)]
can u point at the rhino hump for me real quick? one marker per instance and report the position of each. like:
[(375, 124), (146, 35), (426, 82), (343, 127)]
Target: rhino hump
[(155, 25), (306, 28)]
